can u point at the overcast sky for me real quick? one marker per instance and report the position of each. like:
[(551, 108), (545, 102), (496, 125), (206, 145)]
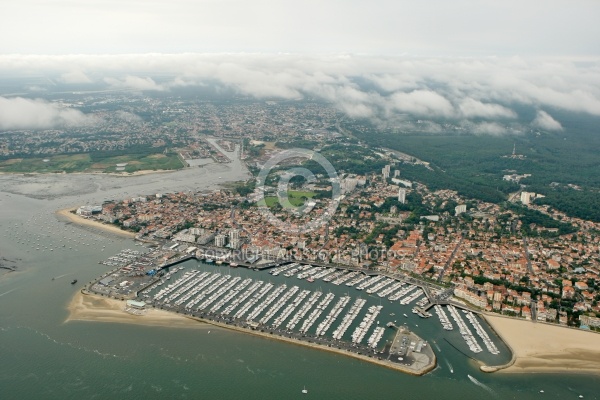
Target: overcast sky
[(479, 94), (376, 27)]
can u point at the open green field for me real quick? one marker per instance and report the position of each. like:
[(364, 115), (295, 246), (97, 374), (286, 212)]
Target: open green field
[(92, 163), (296, 197)]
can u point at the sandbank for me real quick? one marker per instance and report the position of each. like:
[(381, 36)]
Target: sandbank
[(140, 172), (116, 173), (90, 307), (76, 219), (542, 347)]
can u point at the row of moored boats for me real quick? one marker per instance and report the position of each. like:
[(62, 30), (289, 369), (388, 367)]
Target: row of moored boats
[(277, 305), (376, 284), (465, 331), (253, 300)]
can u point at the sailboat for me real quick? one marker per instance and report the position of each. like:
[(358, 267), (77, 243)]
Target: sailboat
[(304, 390)]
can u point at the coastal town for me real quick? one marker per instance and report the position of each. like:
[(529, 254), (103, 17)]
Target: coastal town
[(170, 123), (481, 251)]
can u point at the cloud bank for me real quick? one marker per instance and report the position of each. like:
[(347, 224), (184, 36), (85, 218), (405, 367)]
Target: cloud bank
[(134, 83), (21, 113), (75, 77), (479, 94), (545, 121)]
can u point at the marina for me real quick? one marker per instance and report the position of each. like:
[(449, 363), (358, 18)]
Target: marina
[(446, 324), (489, 344), (465, 331), (217, 294)]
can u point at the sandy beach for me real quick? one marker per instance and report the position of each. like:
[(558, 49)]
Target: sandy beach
[(76, 219), (101, 309), (540, 347)]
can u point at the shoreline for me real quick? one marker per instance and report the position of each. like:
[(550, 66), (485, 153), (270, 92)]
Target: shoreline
[(94, 308), (117, 174), (542, 348), (78, 220)]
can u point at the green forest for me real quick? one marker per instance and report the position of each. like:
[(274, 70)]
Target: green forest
[(564, 165)]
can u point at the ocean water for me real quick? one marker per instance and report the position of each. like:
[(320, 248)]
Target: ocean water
[(41, 356)]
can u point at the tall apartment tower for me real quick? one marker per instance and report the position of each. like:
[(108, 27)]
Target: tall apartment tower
[(220, 240), (402, 195), (234, 238), (385, 172)]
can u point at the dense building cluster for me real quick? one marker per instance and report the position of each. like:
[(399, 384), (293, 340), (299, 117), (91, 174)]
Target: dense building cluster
[(117, 123), (481, 249)]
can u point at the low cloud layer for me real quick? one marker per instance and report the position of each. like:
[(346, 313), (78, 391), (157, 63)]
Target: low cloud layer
[(545, 121), (21, 113), (134, 83), (483, 94), (471, 108), (75, 77)]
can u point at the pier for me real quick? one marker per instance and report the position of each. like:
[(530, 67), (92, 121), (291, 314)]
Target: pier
[(409, 347)]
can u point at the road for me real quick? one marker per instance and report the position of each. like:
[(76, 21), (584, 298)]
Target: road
[(527, 257), (449, 261)]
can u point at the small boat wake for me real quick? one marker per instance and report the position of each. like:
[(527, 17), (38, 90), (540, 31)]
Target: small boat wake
[(437, 347), (481, 385), (450, 366), (62, 276), (11, 290)]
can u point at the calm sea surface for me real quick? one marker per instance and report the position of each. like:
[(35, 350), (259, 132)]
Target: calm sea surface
[(42, 357)]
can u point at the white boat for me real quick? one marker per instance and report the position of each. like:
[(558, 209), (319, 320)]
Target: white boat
[(304, 390)]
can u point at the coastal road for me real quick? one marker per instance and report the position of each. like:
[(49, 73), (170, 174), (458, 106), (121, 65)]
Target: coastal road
[(533, 307)]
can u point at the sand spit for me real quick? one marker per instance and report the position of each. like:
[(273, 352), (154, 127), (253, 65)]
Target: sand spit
[(76, 219), (89, 307)]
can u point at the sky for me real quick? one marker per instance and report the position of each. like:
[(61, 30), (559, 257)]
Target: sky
[(376, 27), (469, 62)]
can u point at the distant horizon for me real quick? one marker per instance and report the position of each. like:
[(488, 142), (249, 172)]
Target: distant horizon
[(477, 93)]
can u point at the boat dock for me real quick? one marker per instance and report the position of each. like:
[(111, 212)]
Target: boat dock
[(290, 311)]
